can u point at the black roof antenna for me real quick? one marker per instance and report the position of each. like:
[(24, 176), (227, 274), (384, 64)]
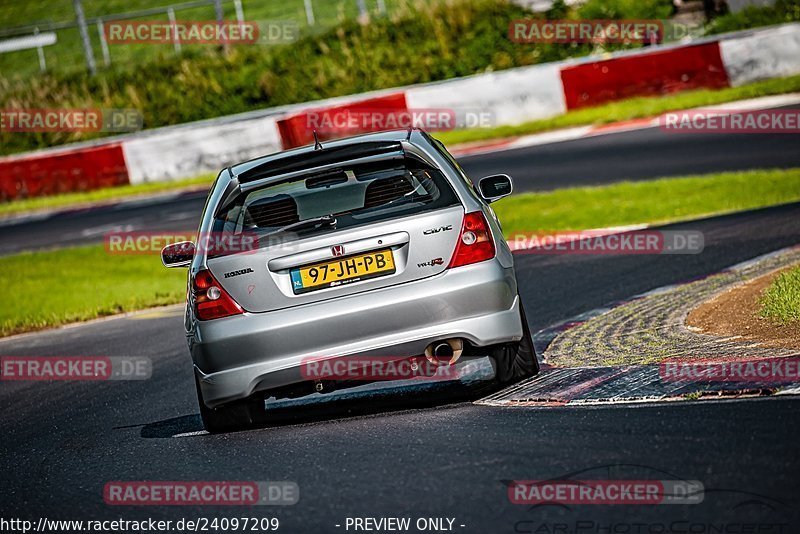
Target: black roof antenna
[(317, 144), (410, 129)]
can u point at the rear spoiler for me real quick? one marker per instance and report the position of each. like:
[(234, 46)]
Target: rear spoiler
[(312, 162), (308, 161)]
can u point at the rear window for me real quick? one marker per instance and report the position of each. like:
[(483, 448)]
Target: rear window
[(337, 199)]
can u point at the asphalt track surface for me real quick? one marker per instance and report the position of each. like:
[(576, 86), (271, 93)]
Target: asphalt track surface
[(414, 455), (635, 155), (603, 159)]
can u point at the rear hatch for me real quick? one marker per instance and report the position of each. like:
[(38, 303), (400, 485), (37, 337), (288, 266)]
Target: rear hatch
[(343, 231)]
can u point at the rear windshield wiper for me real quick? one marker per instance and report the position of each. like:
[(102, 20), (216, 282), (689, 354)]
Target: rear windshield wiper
[(325, 220)]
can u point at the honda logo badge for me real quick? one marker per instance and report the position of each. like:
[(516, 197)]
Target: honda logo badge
[(338, 250)]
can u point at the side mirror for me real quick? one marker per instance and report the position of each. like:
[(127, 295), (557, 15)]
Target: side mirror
[(495, 187), (177, 254)]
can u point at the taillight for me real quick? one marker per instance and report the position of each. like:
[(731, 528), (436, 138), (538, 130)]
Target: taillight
[(211, 301), (475, 242)]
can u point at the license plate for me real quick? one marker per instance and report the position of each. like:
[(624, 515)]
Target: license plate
[(343, 271)]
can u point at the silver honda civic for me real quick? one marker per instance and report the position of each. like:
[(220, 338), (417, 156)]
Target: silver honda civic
[(375, 246)]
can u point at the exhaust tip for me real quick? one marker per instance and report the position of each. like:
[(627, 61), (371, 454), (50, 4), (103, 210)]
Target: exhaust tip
[(446, 352), (443, 350)]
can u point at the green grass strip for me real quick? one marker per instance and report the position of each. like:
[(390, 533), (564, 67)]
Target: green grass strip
[(45, 289), (657, 201), (100, 195), (781, 301)]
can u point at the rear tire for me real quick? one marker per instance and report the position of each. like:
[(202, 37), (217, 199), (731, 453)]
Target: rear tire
[(517, 361), (232, 416)]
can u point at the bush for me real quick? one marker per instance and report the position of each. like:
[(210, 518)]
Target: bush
[(626, 9), (753, 17)]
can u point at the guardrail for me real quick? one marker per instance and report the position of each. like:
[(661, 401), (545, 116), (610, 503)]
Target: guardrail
[(81, 27), (36, 40)]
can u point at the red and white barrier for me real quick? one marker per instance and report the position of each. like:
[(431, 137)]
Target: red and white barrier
[(510, 97), (175, 153), (298, 129), (654, 73), (62, 170), (762, 55)]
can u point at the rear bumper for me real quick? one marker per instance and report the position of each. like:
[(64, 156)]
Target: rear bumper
[(237, 356)]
